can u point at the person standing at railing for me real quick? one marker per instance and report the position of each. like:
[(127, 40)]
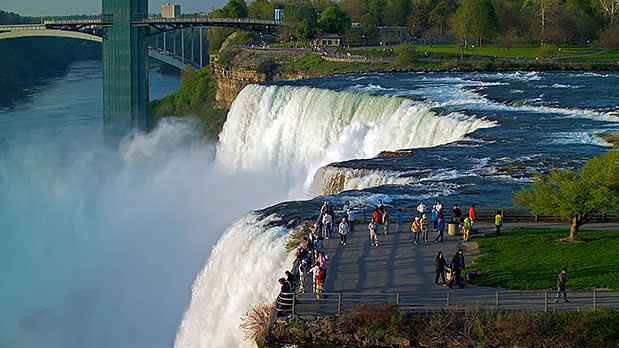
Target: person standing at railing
[(284, 299), (498, 222), (421, 208), (345, 209), (377, 216), (319, 277), (561, 280), (302, 274), (440, 268), (291, 278)]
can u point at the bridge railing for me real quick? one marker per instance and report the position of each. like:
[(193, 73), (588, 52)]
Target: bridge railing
[(207, 20), (311, 304)]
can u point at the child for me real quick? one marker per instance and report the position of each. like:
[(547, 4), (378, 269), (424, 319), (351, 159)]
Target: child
[(373, 226)]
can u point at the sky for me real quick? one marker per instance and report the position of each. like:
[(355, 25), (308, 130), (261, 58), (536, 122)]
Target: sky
[(70, 7)]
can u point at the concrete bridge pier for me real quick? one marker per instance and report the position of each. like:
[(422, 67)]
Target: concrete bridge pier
[(125, 67)]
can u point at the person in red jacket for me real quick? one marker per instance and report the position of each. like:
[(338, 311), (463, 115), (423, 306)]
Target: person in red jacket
[(472, 213)]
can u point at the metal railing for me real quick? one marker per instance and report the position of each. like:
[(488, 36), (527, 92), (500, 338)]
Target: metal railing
[(311, 304), (206, 20), (483, 214)]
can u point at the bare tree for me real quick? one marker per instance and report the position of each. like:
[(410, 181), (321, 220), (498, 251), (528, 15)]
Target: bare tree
[(543, 7), (609, 8)]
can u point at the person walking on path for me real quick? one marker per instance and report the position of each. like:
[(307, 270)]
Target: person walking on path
[(457, 215), (561, 280), (466, 229), (435, 215), (399, 216), (421, 209), (440, 227), (457, 265), (327, 222), (373, 226), (472, 214), (416, 229), (424, 228), (351, 220), (498, 222), (440, 268), (377, 216), (343, 230)]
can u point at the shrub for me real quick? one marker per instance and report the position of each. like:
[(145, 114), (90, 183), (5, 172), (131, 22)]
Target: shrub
[(256, 323)]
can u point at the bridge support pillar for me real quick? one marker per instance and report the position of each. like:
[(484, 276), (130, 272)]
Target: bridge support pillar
[(125, 68)]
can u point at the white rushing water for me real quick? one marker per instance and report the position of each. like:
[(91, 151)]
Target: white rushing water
[(290, 132), (296, 130)]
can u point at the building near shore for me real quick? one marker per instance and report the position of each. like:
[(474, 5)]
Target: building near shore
[(328, 40), (383, 36), (170, 11)]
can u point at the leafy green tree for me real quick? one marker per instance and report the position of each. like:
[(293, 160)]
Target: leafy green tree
[(334, 20), (405, 56), (418, 17), (233, 9), (306, 30), (475, 20), (354, 8), (438, 15), (322, 5), (575, 195), (369, 26), (260, 9), (396, 12), (377, 9)]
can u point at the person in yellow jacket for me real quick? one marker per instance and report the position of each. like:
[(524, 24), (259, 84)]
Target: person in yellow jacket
[(416, 229), (498, 222), (466, 229)]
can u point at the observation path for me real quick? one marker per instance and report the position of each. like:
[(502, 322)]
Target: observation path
[(399, 272)]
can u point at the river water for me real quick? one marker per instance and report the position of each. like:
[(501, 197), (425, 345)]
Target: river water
[(168, 240)]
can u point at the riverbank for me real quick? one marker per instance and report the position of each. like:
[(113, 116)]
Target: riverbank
[(375, 325), (25, 62)]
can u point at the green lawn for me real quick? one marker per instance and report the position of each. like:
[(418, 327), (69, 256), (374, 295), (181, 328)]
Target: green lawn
[(604, 57), (529, 259), (313, 63), (491, 50)]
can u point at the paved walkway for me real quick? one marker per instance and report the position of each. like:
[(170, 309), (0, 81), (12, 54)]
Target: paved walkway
[(398, 266)]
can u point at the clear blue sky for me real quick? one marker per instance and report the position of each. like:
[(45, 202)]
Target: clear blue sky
[(68, 7)]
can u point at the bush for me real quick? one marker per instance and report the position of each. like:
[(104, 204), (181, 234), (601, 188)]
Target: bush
[(256, 323), (267, 67), (406, 56), (609, 38)]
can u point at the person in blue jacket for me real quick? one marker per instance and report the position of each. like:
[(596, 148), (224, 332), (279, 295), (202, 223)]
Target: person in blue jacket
[(440, 226)]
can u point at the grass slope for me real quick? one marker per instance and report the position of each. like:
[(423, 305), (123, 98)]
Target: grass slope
[(529, 259)]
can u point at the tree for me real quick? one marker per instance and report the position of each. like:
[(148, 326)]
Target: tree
[(396, 12), (475, 20), (542, 7), (306, 29), (418, 17), (235, 9), (369, 25), (377, 9), (575, 195), (438, 15), (354, 8), (334, 20), (609, 8), (322, 5)]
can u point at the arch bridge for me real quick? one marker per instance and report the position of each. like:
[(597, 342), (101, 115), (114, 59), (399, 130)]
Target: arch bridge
[(124, 30)]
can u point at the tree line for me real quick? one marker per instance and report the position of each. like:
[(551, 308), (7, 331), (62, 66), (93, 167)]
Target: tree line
[(507, 22)]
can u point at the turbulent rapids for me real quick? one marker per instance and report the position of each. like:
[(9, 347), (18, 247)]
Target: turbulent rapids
[(292, 132)]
